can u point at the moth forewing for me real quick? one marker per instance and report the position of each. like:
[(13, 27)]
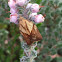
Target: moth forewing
[(36, 36), (27, 38), (29, 31), (22, 23), (29, 26)]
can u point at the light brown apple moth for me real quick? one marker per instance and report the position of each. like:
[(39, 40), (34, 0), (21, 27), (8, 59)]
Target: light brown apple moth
[(29, 31)]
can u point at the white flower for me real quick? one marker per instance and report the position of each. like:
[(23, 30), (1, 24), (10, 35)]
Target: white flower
[(11, 3), (35, 8), (13, 18), (28, 5), (32, 16), (21, 2), (39, 18), (13, 10)]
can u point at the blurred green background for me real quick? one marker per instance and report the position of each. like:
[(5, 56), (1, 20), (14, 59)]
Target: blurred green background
[(50, 29)]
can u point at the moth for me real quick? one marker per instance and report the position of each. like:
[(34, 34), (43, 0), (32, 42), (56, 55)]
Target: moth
[(29, 31)]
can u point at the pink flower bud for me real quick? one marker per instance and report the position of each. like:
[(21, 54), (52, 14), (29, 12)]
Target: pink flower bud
[(32, 16), (39, 18), (13, 10), (11, 3), (28, 5), (35, 8), (21, 2), (13, 18)]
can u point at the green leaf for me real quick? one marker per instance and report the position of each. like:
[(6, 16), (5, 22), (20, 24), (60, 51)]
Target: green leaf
[(39, 24), (59, 59)]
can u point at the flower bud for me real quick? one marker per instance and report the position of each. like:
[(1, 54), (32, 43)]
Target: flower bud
[(39, 18), (13, 18), (13, 10), (21, 2), (32, 16), (11, 3), (35, 8), (28, 5)]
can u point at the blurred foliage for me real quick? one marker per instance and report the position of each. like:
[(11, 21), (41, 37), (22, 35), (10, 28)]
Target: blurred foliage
[(51, 31)]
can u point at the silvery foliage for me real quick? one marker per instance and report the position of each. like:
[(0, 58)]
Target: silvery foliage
[(30, 52)]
